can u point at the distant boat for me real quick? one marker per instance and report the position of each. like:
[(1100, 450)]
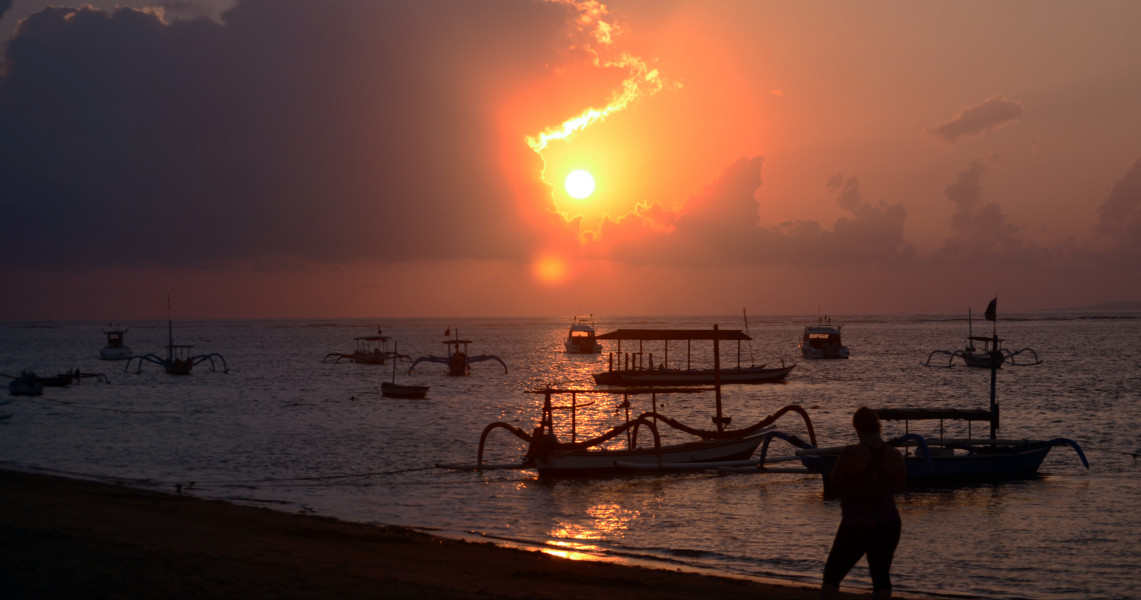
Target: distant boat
[(178, 360), (458, 360), (822, 340), (115, 349), (991, 352), (396, 390), (581, 337), (371, 350), (632, 370), (27, 384)]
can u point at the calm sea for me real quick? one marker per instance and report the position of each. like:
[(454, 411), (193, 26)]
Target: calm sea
[(287, 431)]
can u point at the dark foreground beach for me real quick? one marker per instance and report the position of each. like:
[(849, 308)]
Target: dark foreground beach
[(69, 538)]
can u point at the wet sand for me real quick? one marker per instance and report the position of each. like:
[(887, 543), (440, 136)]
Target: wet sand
[(66, 538)]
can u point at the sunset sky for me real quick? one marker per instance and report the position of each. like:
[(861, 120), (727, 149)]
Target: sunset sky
[(280, 158)]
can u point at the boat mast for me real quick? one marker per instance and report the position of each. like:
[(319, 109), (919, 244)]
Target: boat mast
[(169, 333)]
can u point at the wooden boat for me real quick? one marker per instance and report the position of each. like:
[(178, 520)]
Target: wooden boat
[(581, 338), (822, 340), (396, 390), (937, 460), (554, 457), (605, 454), (458, 359), (370, 350), (991, 353), (115, 348), (178, 360), (632, 372)]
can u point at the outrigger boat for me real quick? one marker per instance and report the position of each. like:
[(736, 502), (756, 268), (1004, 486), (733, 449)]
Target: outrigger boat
[(458, 361), (178, 359), (581, 337), (371, 350), (708, 448), (553, 456), (951, 459), (822, 340), (632, 371), (396, 390), (115, 349), (991, 351)]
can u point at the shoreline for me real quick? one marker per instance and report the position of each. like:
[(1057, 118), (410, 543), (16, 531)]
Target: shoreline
[(70, 537)]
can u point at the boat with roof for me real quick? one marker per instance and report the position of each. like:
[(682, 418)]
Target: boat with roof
[(370, 350), (557, 448), (581, 337), (822, 340), (458, 359), (115, 348), (638, 368)]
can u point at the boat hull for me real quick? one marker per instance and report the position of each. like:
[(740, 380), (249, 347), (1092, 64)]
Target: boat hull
[(577, 463), (983, 463), (667, 377), (121, 353), (395, 390)]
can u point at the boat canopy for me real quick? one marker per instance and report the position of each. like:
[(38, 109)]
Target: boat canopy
[(675, 334)]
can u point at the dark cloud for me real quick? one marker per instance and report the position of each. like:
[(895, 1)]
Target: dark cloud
[(4, 6), (973, 120), (980, 231), (720, 227), (1119, 215), (289, 129)]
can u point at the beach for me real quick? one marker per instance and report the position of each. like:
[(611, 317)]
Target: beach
[(72, 538)]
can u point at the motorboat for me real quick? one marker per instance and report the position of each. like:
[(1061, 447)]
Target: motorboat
[(638, 368), (115, 348), (581, 337), (822, 340)]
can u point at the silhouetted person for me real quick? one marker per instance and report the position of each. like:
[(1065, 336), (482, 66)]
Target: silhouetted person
[(869, 475)]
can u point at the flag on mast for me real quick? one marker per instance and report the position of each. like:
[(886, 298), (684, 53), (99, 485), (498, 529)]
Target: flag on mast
[(990, 310)]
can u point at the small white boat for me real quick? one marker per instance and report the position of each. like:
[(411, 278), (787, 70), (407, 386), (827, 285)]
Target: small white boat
[(115, 349), (581, 337), (822, 340)]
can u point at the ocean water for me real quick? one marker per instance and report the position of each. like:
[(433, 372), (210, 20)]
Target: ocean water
[(284, 430)]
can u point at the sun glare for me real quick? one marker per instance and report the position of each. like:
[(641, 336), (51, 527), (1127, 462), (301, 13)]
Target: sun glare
[(579, 184)]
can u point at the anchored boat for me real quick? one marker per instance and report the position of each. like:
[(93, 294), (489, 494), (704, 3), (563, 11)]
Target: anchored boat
[(633, 371), (991, 352), (581, 337), (178, 360), (396, 390), (458, 360), (939, 459), (370, 350), (115, 348), (822, 340)]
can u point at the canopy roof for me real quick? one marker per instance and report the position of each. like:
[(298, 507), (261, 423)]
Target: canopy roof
[(675, 334)]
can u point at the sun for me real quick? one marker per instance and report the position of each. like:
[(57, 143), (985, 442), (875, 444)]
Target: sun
[(579, 184)]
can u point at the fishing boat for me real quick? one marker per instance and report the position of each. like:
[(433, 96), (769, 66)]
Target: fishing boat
[(178, 359), (822, 340), (115, 348), (458, 359), (581, 337), (941, 459), (370, 350), (617, 451), (634, 370), (396, 390), (991, 352), (555, 449)]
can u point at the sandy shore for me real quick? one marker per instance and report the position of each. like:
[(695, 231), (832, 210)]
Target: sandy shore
[(68, 538)]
